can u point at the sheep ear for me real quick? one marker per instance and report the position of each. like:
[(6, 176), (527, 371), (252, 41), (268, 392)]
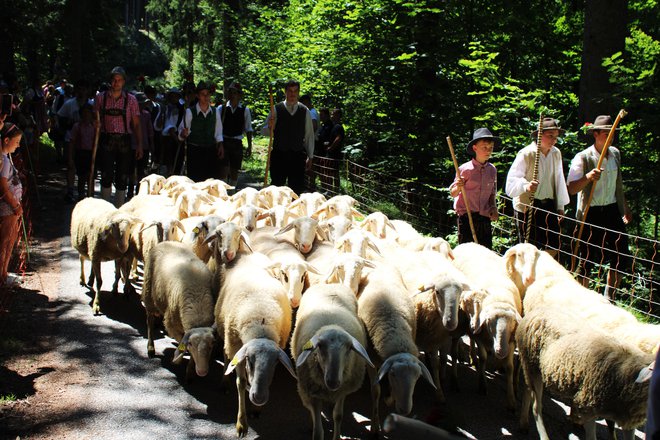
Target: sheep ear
[(295, 203), (181, 349), (361, 351), (320, 233), (389, 223), (179, 225), (313, 269), (331, 275), (450, 254), (287, 228), (284, 358), (274, 269), (323, 208), (373, 246), (368, 263), (645, 373), (308, 348), (246, 241), (426, 374), (237, 359), (356, 213), (263, 215), (384, 369)]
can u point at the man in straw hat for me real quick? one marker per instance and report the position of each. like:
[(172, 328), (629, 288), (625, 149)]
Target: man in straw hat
[(119, 114), (608, 211), (236, 121), (202, 127), (549, 188), (479, 179)]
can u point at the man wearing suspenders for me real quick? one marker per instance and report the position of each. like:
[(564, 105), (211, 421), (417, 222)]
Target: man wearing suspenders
[(119, 116)]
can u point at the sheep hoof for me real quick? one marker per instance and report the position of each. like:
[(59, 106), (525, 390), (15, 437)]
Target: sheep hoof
[(241, 430), (151, 352), (96, 309)]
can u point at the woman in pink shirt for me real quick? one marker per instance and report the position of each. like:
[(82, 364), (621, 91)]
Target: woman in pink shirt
[(479, 179)]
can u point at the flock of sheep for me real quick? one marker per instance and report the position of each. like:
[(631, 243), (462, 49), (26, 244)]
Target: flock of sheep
[(260, 271)]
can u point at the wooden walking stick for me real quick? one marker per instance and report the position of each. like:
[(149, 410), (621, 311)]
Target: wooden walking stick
[(458, 174), (271, 128), (97, 134), (529, 212), (603, 154)]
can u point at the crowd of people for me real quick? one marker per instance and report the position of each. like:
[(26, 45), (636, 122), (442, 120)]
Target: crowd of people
[(121, 136), (540, 193)]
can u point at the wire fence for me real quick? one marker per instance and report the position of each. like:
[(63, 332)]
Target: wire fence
[(628, 261)]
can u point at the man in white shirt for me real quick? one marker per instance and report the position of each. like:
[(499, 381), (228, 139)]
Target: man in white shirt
[(548, 189), (608, 211)]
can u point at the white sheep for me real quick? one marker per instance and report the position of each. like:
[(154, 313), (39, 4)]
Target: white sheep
[(307, 204), (246, 216), (214, 187), (197, 229), (247, 195), (328, 347), (99, 232), (192, 202), (347, 270), (377, 223), (254, 314), (357, 242), (338, 205), (272, 195), (305, 232), (335, 227), (437, 244), (151, 184), (147, 206), (500, 313), (572, 360), (177, 286), (388, 313)]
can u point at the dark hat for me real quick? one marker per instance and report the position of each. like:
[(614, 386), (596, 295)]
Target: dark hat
[(203, 85), (482, 133), (118, 70), (602, 122), (236, 86), (174, 90), (548, 124)]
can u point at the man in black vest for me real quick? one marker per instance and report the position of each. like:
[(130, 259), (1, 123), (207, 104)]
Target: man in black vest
[(236, 120), (293, 143)]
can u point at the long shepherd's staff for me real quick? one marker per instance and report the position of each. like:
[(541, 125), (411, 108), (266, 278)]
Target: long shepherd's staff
[(458, 174), (603, 154), (529, 217), (97, 134), (271, 128)]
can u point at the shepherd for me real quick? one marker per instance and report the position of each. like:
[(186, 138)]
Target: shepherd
[(608, 214)]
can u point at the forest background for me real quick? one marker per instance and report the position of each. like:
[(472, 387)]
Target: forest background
[(406, 73)]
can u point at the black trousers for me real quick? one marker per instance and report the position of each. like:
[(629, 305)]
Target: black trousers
[(545, 225), (608, 243), (116, 159), (482, 229), (288, 168)]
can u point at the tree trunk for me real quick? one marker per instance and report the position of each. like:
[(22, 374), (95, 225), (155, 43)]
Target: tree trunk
[(230, 32), (605, 30)]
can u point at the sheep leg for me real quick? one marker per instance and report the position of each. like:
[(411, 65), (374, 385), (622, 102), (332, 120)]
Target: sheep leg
[(523, 423), (338, 417), (537, 408), (590, 430), (125, 271), (115, 285), (151, 350), (628, 434), (434, 360), (82, 271), (241, 418), (510, 394), (96, 270), (375, 398), (481, 367), (317, 422)]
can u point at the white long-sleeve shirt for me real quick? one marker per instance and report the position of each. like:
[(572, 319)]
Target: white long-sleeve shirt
[(309, 127), (187, 120)]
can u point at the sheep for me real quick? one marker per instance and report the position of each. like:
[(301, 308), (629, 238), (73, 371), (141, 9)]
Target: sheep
[(335, 227), (197, 229), (246, 216), (227, 242), (500, 313), (307, 204), (191, 202), (276, 195), (357, 242), (99, 232), (151, 184), (214, 187), (247, 195), (405, 231), (148, 205), (347, 270), (388, 314), (437, 244), (306, 231), (277, 216), (177, 286), (337, 205), (328, 346), (377, 223), (600, 377), (254, 314)]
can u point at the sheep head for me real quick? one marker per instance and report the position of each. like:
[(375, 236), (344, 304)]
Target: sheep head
[(377, 223), (305, 232), (447, 294), (199, 343), (262, 356), (403, 370), (118, 231), (501, 324), (293, 276), (357, 242), (332, 346), (520, 261), (336, 226), (227, 239), (348, 270)]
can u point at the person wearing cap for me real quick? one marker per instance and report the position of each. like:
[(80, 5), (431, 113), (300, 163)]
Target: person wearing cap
[(548, 189), (119, 116), (478, 178), (608, 212), (293, 140), (236, 120), (168, 123), (202, 129)]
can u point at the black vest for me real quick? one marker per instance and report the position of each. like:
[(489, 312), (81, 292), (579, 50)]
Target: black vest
[(233, 123), (289, 129)]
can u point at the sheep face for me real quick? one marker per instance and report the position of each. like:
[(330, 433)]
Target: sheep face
[(256, 362), (403, 370), (118, 233), (228, 237), (377, 224), (293, 276), (348, 270), (501, 326), (521, 262), (337, 226), (447, 294), (440, 245), (200, 345), (356, 242), (305, 232)]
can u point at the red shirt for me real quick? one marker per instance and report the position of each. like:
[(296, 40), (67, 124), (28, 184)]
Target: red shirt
[(115, 124), (480, 188)]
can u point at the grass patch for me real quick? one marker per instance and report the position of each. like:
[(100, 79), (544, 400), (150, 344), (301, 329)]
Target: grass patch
[(6, 398)]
